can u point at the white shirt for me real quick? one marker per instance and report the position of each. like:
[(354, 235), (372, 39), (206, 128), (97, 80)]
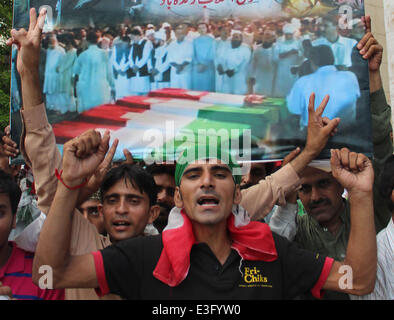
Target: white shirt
[(384, 285), (180, 52), (342, 49)]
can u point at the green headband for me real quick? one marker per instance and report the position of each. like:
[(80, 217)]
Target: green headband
[(202, 152)]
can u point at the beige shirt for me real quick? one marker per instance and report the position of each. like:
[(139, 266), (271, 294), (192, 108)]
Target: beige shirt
[(38, 147)]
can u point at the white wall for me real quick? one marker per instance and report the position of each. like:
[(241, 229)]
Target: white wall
[(377, 10)]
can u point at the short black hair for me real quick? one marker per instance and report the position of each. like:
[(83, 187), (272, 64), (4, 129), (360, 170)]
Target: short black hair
[(136, 32), (10, 187), (136, 175), (155, 169), (322, 56), (92, 37)]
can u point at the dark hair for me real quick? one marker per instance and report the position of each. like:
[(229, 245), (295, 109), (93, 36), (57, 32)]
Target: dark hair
[(136, 32), (322, 56), (9, 186), (67, 39), (137, 176), (155, 169), (92, 37)]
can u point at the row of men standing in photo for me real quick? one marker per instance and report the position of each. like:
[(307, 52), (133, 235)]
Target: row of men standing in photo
[(138, 61)]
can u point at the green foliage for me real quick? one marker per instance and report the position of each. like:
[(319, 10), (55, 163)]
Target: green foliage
[(5, 72)]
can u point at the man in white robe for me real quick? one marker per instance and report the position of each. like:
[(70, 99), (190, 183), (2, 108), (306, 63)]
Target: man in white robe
[(263, 66), (223, 45), (287, 55), (180, 56), (203, 60), (120, 64), (52, 88), (65, 69), (95, 81), (161, 68), (236, 66)]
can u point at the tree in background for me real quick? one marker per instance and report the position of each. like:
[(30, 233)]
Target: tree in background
[(5, 72)]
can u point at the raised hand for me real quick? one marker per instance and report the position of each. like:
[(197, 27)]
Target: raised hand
[(96, 179), (319, 128), (8, 148), (28, 43), (83, 155), (370, 48), (352, 170)]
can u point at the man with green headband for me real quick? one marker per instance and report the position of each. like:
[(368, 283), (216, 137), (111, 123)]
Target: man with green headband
[(210, 249)]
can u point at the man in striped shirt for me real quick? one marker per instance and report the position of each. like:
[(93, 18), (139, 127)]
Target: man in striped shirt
[(15, 263), (384, 285)]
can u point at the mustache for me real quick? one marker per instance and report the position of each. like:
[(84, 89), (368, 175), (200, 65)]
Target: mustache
[(319, 202), (207, 193)]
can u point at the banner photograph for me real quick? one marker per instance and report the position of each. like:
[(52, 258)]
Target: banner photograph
[(164, 74)]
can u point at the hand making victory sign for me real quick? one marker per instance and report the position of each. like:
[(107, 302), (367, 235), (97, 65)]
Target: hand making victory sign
[(29, 42)]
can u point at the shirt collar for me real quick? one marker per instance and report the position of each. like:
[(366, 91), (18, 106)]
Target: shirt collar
[(328, 68)]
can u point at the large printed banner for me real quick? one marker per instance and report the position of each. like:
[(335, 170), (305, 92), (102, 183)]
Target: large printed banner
[(162, 74)]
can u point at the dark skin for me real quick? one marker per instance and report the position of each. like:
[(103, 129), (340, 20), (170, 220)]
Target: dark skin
[(7, 223), (321, 196)]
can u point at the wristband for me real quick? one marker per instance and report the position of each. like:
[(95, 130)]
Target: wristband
[(59, 177)]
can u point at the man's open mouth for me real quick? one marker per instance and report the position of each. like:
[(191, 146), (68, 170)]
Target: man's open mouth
[(208, 201), (121, 223)]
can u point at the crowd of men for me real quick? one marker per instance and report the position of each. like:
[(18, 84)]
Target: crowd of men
[(83, 68), (199, 230)]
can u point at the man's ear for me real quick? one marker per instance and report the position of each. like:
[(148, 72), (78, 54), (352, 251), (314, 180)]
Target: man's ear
[(154, 212), (237, 194), (178, 198)]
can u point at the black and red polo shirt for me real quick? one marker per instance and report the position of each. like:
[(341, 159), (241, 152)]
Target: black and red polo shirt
[(126, 269)]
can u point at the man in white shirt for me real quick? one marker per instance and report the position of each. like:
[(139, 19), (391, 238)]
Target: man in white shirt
[(263, 68), (384, 285), (94, 75), (287, 55), (223, 44), (52, 89), (161, 68), (180, 56), (341, 46), (235, 66)]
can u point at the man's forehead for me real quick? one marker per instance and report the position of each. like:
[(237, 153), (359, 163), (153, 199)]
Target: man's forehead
[(124, 187), (164, 179), (310, 174), (207, 163)]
